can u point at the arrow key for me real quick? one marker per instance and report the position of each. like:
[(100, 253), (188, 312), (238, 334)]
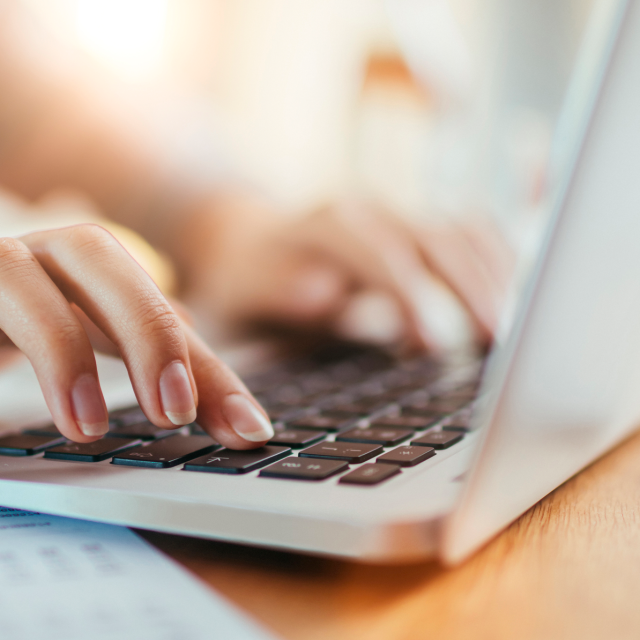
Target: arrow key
[(231, 461)]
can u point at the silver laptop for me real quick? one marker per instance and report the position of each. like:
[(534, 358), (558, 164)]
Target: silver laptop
[(393, 461)]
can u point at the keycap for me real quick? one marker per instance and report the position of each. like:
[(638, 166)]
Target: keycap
[(288, 394), (168, 452), (91, 452), (354, 409), (403, 422), (460, 421), (196, 430), (44, 430), (383, 399), (323, 423), (462, 396), (407, 456), (353, 453), (385, 437), (456, 426), (425, 414), (304, 469), (280, 412), (402, 391), (418, 400), (230, 461), (121, 412), (446, 405), (131, 415), (140, 431), (369, 474), (297, 438), (337, 398), (27, 445), (371, 388), (439, 439)]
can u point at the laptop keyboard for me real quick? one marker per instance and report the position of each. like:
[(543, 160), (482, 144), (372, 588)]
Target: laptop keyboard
[(365, 418)]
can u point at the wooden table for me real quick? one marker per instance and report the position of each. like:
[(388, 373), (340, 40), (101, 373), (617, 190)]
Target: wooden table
[(569, 568)]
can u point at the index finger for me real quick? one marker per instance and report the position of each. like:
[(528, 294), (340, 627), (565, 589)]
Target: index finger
[(227, 410)]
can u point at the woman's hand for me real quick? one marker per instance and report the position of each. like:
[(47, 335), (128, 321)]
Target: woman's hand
[(63, 289), (243, 263)]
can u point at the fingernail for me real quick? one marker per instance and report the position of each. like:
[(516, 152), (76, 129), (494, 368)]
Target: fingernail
[(176, 395), (245, 418), (88, 406)]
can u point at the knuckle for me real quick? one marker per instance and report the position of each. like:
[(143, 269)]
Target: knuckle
[(11, 245), (156, 320), (91, 238), (63, 334), (15, 258)]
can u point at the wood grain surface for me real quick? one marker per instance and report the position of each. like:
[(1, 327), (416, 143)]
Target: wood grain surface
[(569, 568)]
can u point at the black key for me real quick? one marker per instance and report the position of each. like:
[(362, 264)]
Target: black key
[(456, 426), (369, 474), (439, 439), (415, 423), (353, 453), (45, 430), (462, 397), (167, 453), (403, 391), (371, 388), (396, 379), (297, 438), (407, 456), (132, 415), (387, 398), (427, 414), (319, 382), (459, 422), (445, 405), (196, 430), (282, 412), (230, 461), (28, 445), (337, 398), (423, 404), (417, 401), (385, 437), (304, 469), (290, 404), (116, 413), (288, 394), (355, 409), (140, 431), (322, 423), (362, 405), (91, 452)]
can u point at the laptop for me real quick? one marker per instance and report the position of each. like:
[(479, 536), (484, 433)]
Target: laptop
[(385, 460)]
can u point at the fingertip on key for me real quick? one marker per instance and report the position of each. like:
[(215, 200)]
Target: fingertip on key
[(246, 419)]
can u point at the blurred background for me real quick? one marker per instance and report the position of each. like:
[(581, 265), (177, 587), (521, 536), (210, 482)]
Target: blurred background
[(429, 106)]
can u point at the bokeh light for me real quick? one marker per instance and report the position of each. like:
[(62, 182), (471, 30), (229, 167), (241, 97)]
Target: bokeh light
[(126, 35)]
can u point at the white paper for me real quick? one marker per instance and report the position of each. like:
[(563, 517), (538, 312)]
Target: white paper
[(74, 580)]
